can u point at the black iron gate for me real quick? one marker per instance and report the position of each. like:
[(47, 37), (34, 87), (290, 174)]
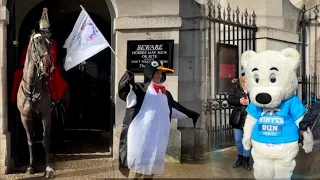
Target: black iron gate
[(308, 91), (308, 26), (230, 33)]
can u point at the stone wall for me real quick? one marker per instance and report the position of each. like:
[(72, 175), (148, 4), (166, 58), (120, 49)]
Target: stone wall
[(313, 37), (307, 3), (5, 143), (153, 20), (122, 35)]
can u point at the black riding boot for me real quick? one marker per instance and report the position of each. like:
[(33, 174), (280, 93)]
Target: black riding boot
[(246, 163), (239, 162)]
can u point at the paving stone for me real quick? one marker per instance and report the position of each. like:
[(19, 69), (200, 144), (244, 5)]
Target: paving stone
[(217, 165)]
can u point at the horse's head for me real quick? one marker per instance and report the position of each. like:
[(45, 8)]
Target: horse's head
[(42, 58)]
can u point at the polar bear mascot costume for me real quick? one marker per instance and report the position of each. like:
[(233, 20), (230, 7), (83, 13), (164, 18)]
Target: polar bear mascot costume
[(274, 114)]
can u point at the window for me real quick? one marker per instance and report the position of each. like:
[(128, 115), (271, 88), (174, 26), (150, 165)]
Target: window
[(227, 68)]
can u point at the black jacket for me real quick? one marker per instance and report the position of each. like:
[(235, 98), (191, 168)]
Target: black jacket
[(236, 92), (310, 118)]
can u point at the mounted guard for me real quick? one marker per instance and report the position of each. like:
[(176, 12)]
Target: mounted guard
[(37, 83), (57, 84)]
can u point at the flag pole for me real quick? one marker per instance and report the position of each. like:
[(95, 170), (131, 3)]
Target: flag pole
[(117, 58), (82, 7), (109, 44)]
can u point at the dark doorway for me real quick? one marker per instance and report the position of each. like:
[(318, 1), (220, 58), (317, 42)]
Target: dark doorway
[(86, 127), (89, 82)]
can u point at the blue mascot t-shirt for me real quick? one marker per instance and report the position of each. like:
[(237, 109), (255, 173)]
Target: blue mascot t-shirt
[(277, 126)]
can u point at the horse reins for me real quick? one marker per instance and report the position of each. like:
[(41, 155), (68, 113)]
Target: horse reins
[(40, 71)]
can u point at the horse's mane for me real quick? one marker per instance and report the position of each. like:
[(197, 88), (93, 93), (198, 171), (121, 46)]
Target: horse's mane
[(34, 31), (29, 54), (38, 31)]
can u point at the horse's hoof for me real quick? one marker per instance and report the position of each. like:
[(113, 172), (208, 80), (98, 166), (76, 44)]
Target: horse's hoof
[(30, 170), (48, 174)]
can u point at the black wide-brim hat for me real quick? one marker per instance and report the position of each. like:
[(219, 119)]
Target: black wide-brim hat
[(152, 68)]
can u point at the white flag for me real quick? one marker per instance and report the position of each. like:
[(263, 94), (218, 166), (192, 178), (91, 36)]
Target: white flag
[(84, 41)]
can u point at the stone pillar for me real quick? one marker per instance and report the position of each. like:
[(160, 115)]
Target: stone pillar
[(5, 144), (194, 87)]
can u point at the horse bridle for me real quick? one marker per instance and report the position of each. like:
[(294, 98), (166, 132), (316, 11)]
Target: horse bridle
[(32, 95), (39, 58)]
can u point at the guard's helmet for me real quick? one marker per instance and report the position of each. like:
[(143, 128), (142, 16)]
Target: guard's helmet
[(44, 21)]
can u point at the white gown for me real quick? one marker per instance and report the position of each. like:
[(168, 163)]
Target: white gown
[(148, 133)]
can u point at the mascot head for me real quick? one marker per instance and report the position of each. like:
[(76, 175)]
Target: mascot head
[(152, 68), (271, 76)]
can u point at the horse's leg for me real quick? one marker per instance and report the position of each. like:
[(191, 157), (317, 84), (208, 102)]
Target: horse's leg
[(28, 126), (46, 122)]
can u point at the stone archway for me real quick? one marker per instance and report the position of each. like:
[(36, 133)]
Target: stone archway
[(7, 158)]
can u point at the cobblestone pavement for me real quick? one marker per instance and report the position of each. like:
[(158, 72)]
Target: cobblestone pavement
[(218, 166)]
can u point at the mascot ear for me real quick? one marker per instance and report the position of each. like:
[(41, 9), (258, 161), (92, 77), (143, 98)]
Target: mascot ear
[(292, 55), (245, 56)]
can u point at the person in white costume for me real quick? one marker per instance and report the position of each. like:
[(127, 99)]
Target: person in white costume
[(145, 135), (274, 113)]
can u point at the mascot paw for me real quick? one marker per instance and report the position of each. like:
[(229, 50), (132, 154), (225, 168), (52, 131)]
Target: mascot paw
[(246, 143), (307, 141)]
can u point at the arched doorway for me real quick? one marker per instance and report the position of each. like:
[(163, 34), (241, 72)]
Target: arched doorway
[(91, 109)]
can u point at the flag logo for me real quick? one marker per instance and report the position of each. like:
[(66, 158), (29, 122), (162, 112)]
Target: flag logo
[(94, 31), (89, 29)]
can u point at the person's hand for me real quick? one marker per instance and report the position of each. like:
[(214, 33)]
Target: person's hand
[(130, 77), (244, 101), (307, 141)]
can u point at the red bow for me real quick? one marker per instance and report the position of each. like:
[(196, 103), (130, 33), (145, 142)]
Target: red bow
[(158, 87)]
